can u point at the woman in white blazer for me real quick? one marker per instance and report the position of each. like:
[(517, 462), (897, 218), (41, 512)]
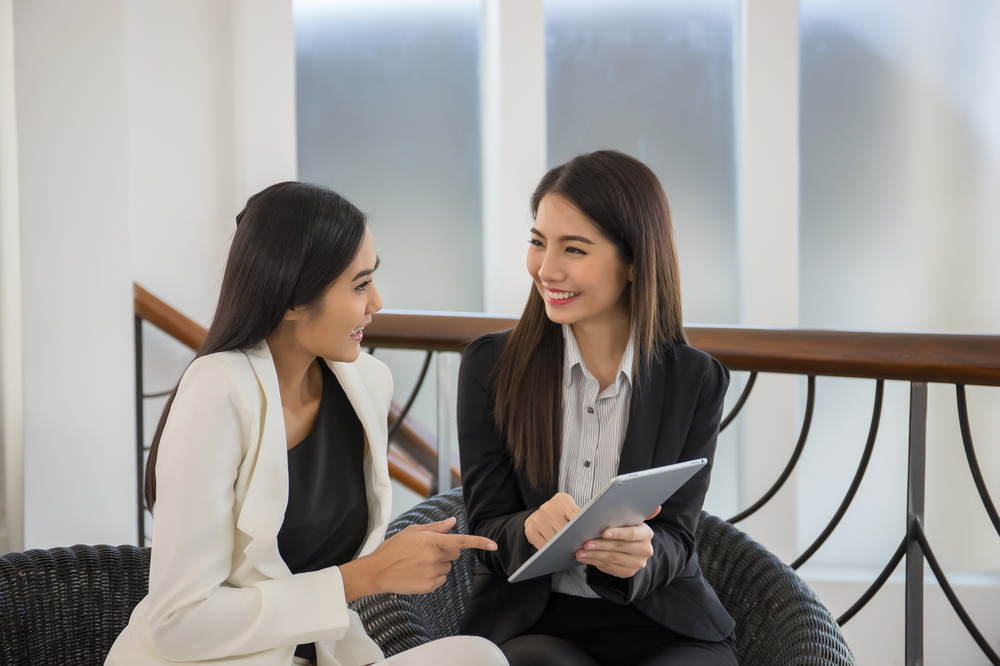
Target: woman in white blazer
[(285, 340)]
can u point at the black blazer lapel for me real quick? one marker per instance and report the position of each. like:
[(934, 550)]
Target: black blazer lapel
[(644, 419)]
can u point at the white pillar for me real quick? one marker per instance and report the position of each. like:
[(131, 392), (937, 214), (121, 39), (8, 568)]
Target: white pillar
[(72, 160), (768, 171), (264, 100), (11, 374), (513, 143)]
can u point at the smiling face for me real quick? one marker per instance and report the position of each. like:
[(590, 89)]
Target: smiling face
[(577, 271), (332, 328)]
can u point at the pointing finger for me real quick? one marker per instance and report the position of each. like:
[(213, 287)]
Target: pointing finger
[(441, 526), (465, 541)]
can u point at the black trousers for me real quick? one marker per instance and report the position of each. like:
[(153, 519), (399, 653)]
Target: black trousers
[(575, 631)]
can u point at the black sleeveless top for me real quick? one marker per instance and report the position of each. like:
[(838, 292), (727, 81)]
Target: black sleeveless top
[(327, 514)]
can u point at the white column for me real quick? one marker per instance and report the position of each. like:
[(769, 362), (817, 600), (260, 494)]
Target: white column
[(11, 374), (513, 143), (768, 168), (72, 157), (264, 100)]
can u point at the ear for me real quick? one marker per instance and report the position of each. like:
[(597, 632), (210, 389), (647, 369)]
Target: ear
[(294, 313), (628, 272)]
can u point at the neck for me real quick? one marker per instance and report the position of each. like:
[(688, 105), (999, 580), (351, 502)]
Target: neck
[(602, 344), (298, 371)]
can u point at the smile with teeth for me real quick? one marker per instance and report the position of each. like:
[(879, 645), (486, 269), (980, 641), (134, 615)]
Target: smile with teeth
[(562, 295), (358, 331)]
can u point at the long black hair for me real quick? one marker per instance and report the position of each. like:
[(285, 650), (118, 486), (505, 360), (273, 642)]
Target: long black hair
[(292, 240), (625, 201)]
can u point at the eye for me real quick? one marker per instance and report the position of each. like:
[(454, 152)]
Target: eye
[(574, 250), (534, 242), (363, 285)]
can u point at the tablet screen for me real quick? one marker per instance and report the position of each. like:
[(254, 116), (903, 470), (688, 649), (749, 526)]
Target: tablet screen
[(626, 500)]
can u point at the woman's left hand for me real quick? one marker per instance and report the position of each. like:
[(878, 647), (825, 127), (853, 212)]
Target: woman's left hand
[(621, 551)]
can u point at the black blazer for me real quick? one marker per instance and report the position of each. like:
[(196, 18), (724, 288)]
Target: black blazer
[(674, 417)]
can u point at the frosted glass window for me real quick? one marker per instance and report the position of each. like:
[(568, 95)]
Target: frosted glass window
[(388, 115), (655, 80), (900, 160)]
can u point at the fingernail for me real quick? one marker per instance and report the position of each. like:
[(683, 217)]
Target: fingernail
[(609, 534)]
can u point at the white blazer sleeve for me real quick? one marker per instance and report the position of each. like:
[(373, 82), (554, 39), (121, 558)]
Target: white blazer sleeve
[(195, 613)]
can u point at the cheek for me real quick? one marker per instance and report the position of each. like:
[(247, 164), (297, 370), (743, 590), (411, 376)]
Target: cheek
[(533, 263)]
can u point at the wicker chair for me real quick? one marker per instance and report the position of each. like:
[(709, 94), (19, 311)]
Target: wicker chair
[(67, 605), (779, 620)]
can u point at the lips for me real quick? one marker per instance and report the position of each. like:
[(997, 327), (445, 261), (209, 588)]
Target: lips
[(358, 333), (560, 297)]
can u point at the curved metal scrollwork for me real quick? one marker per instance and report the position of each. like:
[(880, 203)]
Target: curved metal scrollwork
[(917, 533), (790, 467), (873, 589), (855, 484), (413, 395), (970, 454), (739, 403)]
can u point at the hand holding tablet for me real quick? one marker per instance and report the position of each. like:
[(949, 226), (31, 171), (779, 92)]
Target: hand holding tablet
[(627, 500)]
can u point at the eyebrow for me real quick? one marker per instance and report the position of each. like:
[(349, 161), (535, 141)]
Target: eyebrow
[(366, 273), (565, 239)]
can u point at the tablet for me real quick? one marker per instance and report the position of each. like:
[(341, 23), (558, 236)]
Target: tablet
[(626, 500)]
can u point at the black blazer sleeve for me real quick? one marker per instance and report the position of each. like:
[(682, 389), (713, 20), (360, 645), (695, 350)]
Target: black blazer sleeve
[(493, 496)]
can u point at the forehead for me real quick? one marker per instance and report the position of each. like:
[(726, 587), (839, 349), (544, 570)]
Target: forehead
[(559, 216), (366, 256), (364, 260)]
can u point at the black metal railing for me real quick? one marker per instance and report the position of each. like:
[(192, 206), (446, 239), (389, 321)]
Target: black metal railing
[(914, 358)]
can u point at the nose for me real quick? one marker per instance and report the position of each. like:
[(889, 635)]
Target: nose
[(374, 301), (550, 268)]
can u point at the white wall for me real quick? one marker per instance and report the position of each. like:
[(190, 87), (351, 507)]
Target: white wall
[(140, 130), (211, 97), (11, 406), (75, 273)]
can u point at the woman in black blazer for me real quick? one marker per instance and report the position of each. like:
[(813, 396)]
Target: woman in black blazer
[(595, 380)]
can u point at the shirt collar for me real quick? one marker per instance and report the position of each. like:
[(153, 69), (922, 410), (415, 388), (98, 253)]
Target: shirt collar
[(572, 357)]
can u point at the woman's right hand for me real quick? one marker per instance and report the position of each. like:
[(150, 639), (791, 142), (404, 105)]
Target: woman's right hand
[(549, 518), (415, 560)]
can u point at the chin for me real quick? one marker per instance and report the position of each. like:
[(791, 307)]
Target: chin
[(346, 355), (559, 317)]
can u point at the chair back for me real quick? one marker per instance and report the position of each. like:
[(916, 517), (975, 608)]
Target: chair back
[(68, 605), (779, 619)]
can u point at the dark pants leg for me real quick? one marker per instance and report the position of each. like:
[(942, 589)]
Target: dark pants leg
[(592, 632), (543, 650)]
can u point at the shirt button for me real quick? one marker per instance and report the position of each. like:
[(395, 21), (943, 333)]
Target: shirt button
[(590, 410), (586, 463)]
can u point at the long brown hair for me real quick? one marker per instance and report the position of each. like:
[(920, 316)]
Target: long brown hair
[(292, 240), (624, 199)]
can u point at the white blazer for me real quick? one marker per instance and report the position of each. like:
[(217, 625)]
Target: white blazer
[(218, 588)]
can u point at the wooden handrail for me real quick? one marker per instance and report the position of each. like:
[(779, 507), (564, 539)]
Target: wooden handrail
[(191, 334), (930, 357), (175, 324), (953, 358)]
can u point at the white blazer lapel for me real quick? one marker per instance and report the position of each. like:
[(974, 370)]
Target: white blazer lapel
[(378, 487), (263, 508)]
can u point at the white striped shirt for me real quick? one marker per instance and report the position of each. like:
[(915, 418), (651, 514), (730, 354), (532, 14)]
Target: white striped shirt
[(593, 431)]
